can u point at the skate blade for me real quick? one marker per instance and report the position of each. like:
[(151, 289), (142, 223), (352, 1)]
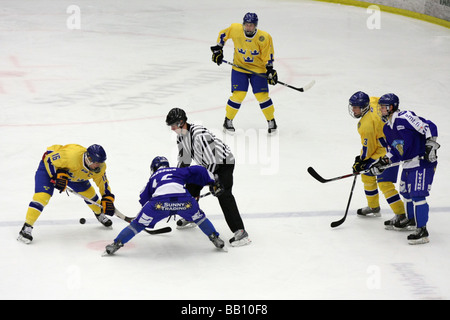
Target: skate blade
[(409, 228), (23, 240), (230, 132), (369, 215), (240, 243), (419, 241), (187, 226)]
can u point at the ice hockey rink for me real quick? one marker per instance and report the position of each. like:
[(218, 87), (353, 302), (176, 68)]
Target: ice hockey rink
[(111, 76)]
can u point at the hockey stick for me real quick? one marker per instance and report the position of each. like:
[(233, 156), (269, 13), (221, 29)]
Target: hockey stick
[(119, 214), (335, 224), (319, 178), (205, 194), (262, 75)]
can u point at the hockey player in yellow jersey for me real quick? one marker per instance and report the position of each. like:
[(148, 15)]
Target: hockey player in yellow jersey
[(70, 165), (253, 50), (374, 147)]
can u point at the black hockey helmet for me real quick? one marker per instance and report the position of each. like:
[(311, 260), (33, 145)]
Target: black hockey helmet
[(176, 115)]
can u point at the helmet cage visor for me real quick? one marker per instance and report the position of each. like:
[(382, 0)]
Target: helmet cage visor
[(92, 165), (385, 116), (363, 109)]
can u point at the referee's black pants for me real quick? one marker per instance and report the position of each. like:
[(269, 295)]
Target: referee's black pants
[(226, 200)]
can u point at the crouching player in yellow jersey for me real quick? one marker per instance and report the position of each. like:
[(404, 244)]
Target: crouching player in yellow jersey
[(70, 165), (253, 50), (374, 147)]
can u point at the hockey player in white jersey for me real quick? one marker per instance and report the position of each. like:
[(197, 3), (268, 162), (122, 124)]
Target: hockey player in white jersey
[(412, 140)]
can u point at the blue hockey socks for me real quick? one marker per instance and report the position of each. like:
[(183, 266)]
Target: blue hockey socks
[(206, 226), (129, 232), (422, 208)]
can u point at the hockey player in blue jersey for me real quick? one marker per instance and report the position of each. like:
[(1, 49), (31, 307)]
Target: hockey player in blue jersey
[(412, 140), (165, 195)]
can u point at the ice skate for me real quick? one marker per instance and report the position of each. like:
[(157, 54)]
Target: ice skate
[(368, 211), (228, 126), (184, 224), (272, 126), (25, 234), (103, 219), (389, 224), (420, 236), (405, 224), (240, 238), (218, 243), (112, 248)]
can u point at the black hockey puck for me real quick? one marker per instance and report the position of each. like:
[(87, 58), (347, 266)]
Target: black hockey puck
[(82, 220)]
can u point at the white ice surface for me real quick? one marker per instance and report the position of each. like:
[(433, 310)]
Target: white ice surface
[(113, 81)]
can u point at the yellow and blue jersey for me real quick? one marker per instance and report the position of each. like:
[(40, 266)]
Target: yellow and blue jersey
[(370, 128), (252, 53), (71, 158)]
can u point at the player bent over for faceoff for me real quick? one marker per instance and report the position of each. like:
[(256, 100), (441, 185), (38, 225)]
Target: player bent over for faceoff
[(411, 139), (374, 146), (70, 165), (165, 195)]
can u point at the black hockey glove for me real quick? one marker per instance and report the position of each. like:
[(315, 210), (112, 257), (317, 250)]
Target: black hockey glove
[(108, 204), (431, 147), (217, 56), (271, 73), (360, 165), (62, 179), (217, 189), (379, 165)]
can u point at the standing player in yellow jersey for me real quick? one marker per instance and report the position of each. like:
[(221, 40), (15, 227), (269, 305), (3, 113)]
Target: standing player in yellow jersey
[(70, 165), (253, 50), (374, 147)]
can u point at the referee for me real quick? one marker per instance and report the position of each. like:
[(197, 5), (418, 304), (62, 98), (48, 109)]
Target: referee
[(197, 143)]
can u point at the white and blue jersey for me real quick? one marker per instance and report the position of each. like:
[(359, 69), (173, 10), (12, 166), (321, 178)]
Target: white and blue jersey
[(406, 134), (170, 182), (165, 195)]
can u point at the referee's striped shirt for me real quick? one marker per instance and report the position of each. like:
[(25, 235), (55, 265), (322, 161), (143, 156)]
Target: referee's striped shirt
[(200, 145)]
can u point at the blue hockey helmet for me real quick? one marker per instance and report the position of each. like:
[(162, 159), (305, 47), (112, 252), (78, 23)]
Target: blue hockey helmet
[(388, 99), (159, 162), (96, 153), (95, 157), (250, 18), (359, 99)]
